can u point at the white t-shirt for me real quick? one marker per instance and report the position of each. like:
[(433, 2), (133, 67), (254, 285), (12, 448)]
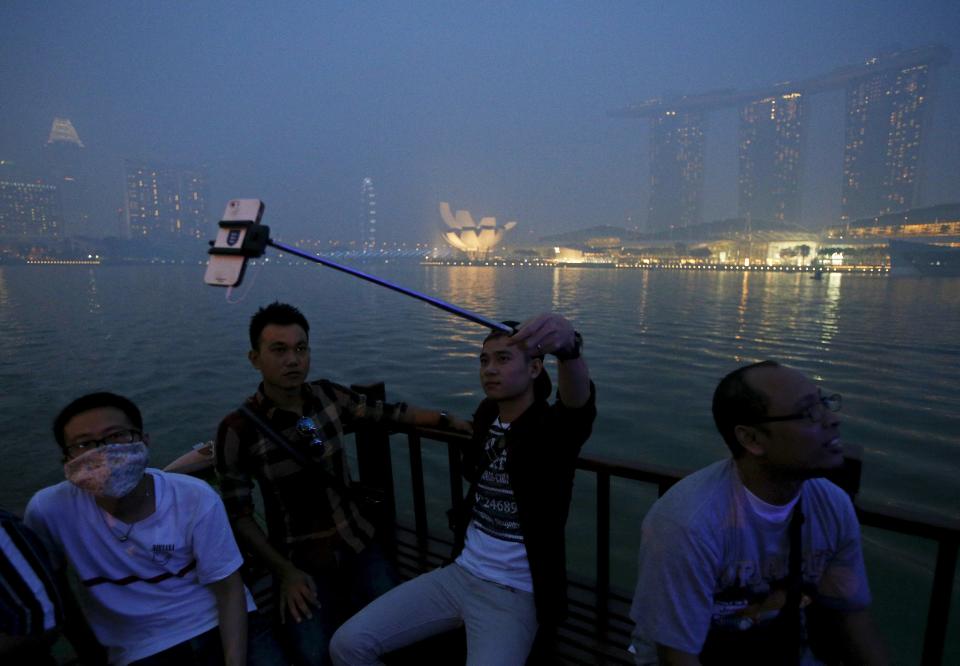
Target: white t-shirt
[(710, 556), (147, 592), (494, 548)]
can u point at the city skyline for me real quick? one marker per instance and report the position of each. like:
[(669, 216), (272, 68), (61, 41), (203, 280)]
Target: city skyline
[(886, 114), (502, 109)]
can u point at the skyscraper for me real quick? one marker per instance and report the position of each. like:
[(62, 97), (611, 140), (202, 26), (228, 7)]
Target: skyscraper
[(676, 169), (194, 198), (771, 141), (63, 160), (887, 100), (885, 118), (29, 211), (164, 202), (368, 221)]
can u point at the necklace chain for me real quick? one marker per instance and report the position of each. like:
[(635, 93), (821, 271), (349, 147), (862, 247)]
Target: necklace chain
[(109, 520), (127, 535)]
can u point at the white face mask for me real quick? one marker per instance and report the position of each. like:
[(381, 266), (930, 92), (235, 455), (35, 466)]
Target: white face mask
[(112, 470)]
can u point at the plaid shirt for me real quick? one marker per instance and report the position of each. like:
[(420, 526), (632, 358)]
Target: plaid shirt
[(308, 510)]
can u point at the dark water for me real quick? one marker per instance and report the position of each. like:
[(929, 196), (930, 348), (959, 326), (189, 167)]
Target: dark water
[(657, 342)]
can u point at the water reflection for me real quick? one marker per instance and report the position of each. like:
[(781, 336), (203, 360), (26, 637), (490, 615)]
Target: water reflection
[(566, 296), (829, 324), (641, 305), (473, 288), (742, 313), (94, 306)]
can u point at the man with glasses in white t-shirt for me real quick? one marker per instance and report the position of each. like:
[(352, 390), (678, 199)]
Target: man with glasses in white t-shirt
[(157, 563), (755, 559)]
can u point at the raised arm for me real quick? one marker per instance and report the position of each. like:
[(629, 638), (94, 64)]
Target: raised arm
[(551, 333)]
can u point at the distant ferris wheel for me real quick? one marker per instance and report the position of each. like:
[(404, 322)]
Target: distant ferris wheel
[(368, 222)]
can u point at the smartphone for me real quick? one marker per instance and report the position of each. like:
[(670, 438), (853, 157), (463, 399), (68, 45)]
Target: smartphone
[(226, 269)]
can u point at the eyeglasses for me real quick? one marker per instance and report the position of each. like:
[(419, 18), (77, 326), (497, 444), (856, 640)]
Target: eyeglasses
[(116, 437), (307, 427), (814, 412)]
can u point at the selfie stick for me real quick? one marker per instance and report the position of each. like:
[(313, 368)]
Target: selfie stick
[(435, 302), (242, 237)]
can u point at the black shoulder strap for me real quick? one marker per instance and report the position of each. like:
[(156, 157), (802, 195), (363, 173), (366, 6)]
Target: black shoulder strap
[(270, 433), (791, 607)]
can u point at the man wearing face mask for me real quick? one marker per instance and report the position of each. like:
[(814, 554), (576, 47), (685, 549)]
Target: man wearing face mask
[(153, 552)]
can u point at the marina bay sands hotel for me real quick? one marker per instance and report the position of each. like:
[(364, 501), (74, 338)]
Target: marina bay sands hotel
[(887, 104)]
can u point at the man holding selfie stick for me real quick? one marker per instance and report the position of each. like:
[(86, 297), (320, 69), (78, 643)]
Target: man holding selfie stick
[(508, 579)]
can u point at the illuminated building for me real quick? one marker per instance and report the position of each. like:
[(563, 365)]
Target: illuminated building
[(63, 158), (676, 170), (194, 197), (770, 158), (368, 224), (29, 211), (475, 240), (941, 221), (886, 113), (165, 202), (887, 101)]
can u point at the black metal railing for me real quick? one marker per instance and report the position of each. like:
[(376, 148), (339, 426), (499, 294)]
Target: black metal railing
[(605, 623)]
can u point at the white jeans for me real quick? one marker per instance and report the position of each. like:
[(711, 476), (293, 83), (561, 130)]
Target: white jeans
[(500, 622)]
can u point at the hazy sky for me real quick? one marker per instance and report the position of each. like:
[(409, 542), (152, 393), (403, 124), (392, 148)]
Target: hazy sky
[(499, 108)]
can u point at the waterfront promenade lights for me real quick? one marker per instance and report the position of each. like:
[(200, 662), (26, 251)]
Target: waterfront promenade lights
[(241, 237)]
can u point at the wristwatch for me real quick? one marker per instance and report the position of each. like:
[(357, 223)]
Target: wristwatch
[(572, 353), (443, 421)]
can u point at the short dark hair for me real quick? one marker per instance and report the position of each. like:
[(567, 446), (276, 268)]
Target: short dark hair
[(542, 386), (281, 314), (735, 403), (499, 333), (94, 401)]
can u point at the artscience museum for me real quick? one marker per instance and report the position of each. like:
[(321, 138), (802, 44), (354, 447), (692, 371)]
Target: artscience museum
[(475, 240)]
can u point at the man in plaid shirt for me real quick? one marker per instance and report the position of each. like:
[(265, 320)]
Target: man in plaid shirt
[(319, 547)]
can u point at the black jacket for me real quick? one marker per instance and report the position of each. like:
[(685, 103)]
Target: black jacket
[(542, 449)]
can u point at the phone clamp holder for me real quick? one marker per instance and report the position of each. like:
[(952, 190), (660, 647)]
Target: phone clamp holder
[(254, 242)]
